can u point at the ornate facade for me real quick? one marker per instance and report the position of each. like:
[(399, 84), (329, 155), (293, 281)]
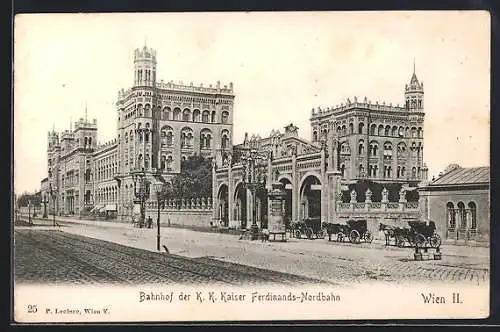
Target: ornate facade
[(354, 142), (158, 125)]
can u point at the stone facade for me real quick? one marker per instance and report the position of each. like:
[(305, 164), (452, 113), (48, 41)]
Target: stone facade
[(353, 142), (459, 201), (158, 125)]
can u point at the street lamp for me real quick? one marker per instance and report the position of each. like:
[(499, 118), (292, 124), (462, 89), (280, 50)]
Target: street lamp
[(45, 201), (252, 181), (141, 192), (159, 187), (53, 192)]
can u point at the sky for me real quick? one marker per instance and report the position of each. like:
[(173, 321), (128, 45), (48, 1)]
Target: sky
[(281, 64)]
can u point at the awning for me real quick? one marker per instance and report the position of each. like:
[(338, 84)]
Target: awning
[(110, 207)]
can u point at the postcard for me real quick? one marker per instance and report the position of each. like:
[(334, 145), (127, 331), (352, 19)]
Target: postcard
[(257, 166)]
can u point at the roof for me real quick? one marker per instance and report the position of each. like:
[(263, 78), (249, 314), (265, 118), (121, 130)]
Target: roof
[(458, 176)]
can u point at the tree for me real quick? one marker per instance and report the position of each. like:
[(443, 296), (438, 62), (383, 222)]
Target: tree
[(26, 197), (195, 179)]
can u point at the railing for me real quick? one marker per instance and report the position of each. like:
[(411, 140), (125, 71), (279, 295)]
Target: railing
[(410, 207), (184, 204)]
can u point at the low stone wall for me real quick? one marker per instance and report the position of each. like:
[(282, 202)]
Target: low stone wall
[(182, 217)]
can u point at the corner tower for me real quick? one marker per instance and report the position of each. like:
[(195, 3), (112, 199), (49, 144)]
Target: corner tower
[(145, 67), (414, 94)]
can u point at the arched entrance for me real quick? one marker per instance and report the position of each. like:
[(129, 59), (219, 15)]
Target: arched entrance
[(223, 198), (310, 197), (240, 205), (288, 201)]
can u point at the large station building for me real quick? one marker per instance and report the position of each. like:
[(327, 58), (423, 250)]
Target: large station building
[(364, 160)]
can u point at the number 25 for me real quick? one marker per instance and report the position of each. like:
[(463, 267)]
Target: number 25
[(32, 308)]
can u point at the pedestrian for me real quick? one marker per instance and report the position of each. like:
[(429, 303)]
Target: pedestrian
[(150, 222), (265, 235)]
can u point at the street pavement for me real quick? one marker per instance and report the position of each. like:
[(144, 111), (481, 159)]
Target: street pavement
[(56, 257), (338, 263)]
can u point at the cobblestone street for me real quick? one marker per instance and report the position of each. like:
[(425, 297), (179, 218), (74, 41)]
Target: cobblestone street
[(317, 259), (53, 256)]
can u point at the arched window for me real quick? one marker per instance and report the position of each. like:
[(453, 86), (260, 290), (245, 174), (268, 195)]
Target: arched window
[(225, 117), (462, 214), (361, 170), (472, 211), (401, 131), (344, 130), (361, 126), (388, 150), (315, 136), (361, 147), (163, 162), (196, 115), (205, 116), (398, 172), (420, 133), (139, 161), (351, 128), (403, 171), (387, 131), (169, 163), (213, 117), (85, 142), (90, 142), (413, 132), (146, 162), (401, 150), (414, 172), (342, 170), (394, 131), (186, 137), (380, 130), (177, 114), (373, 148), (186, 115), (373, 129)]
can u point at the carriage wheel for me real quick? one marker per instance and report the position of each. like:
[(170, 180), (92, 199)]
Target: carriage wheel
[(400, 242), (368, 237), (320, 234), (354, 236), (309, 233), (420, 240), (298, 234), (340, 237), (435, 241)]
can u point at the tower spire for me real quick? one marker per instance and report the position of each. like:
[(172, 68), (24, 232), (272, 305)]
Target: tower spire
[(85, 112), (413, 65)]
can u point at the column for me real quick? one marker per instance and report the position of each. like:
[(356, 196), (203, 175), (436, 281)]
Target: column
[(230, 196), (295, 189), (249, 198), (324, 185)]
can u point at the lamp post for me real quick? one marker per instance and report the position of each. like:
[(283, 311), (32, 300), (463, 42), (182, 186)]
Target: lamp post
[(29, 213), (45, 201), (141, 192), (159, 187), (53, 192), (252, 181)]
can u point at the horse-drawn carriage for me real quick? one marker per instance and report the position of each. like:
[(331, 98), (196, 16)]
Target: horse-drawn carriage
[(353, 230), (421, 233), (310, 227)]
